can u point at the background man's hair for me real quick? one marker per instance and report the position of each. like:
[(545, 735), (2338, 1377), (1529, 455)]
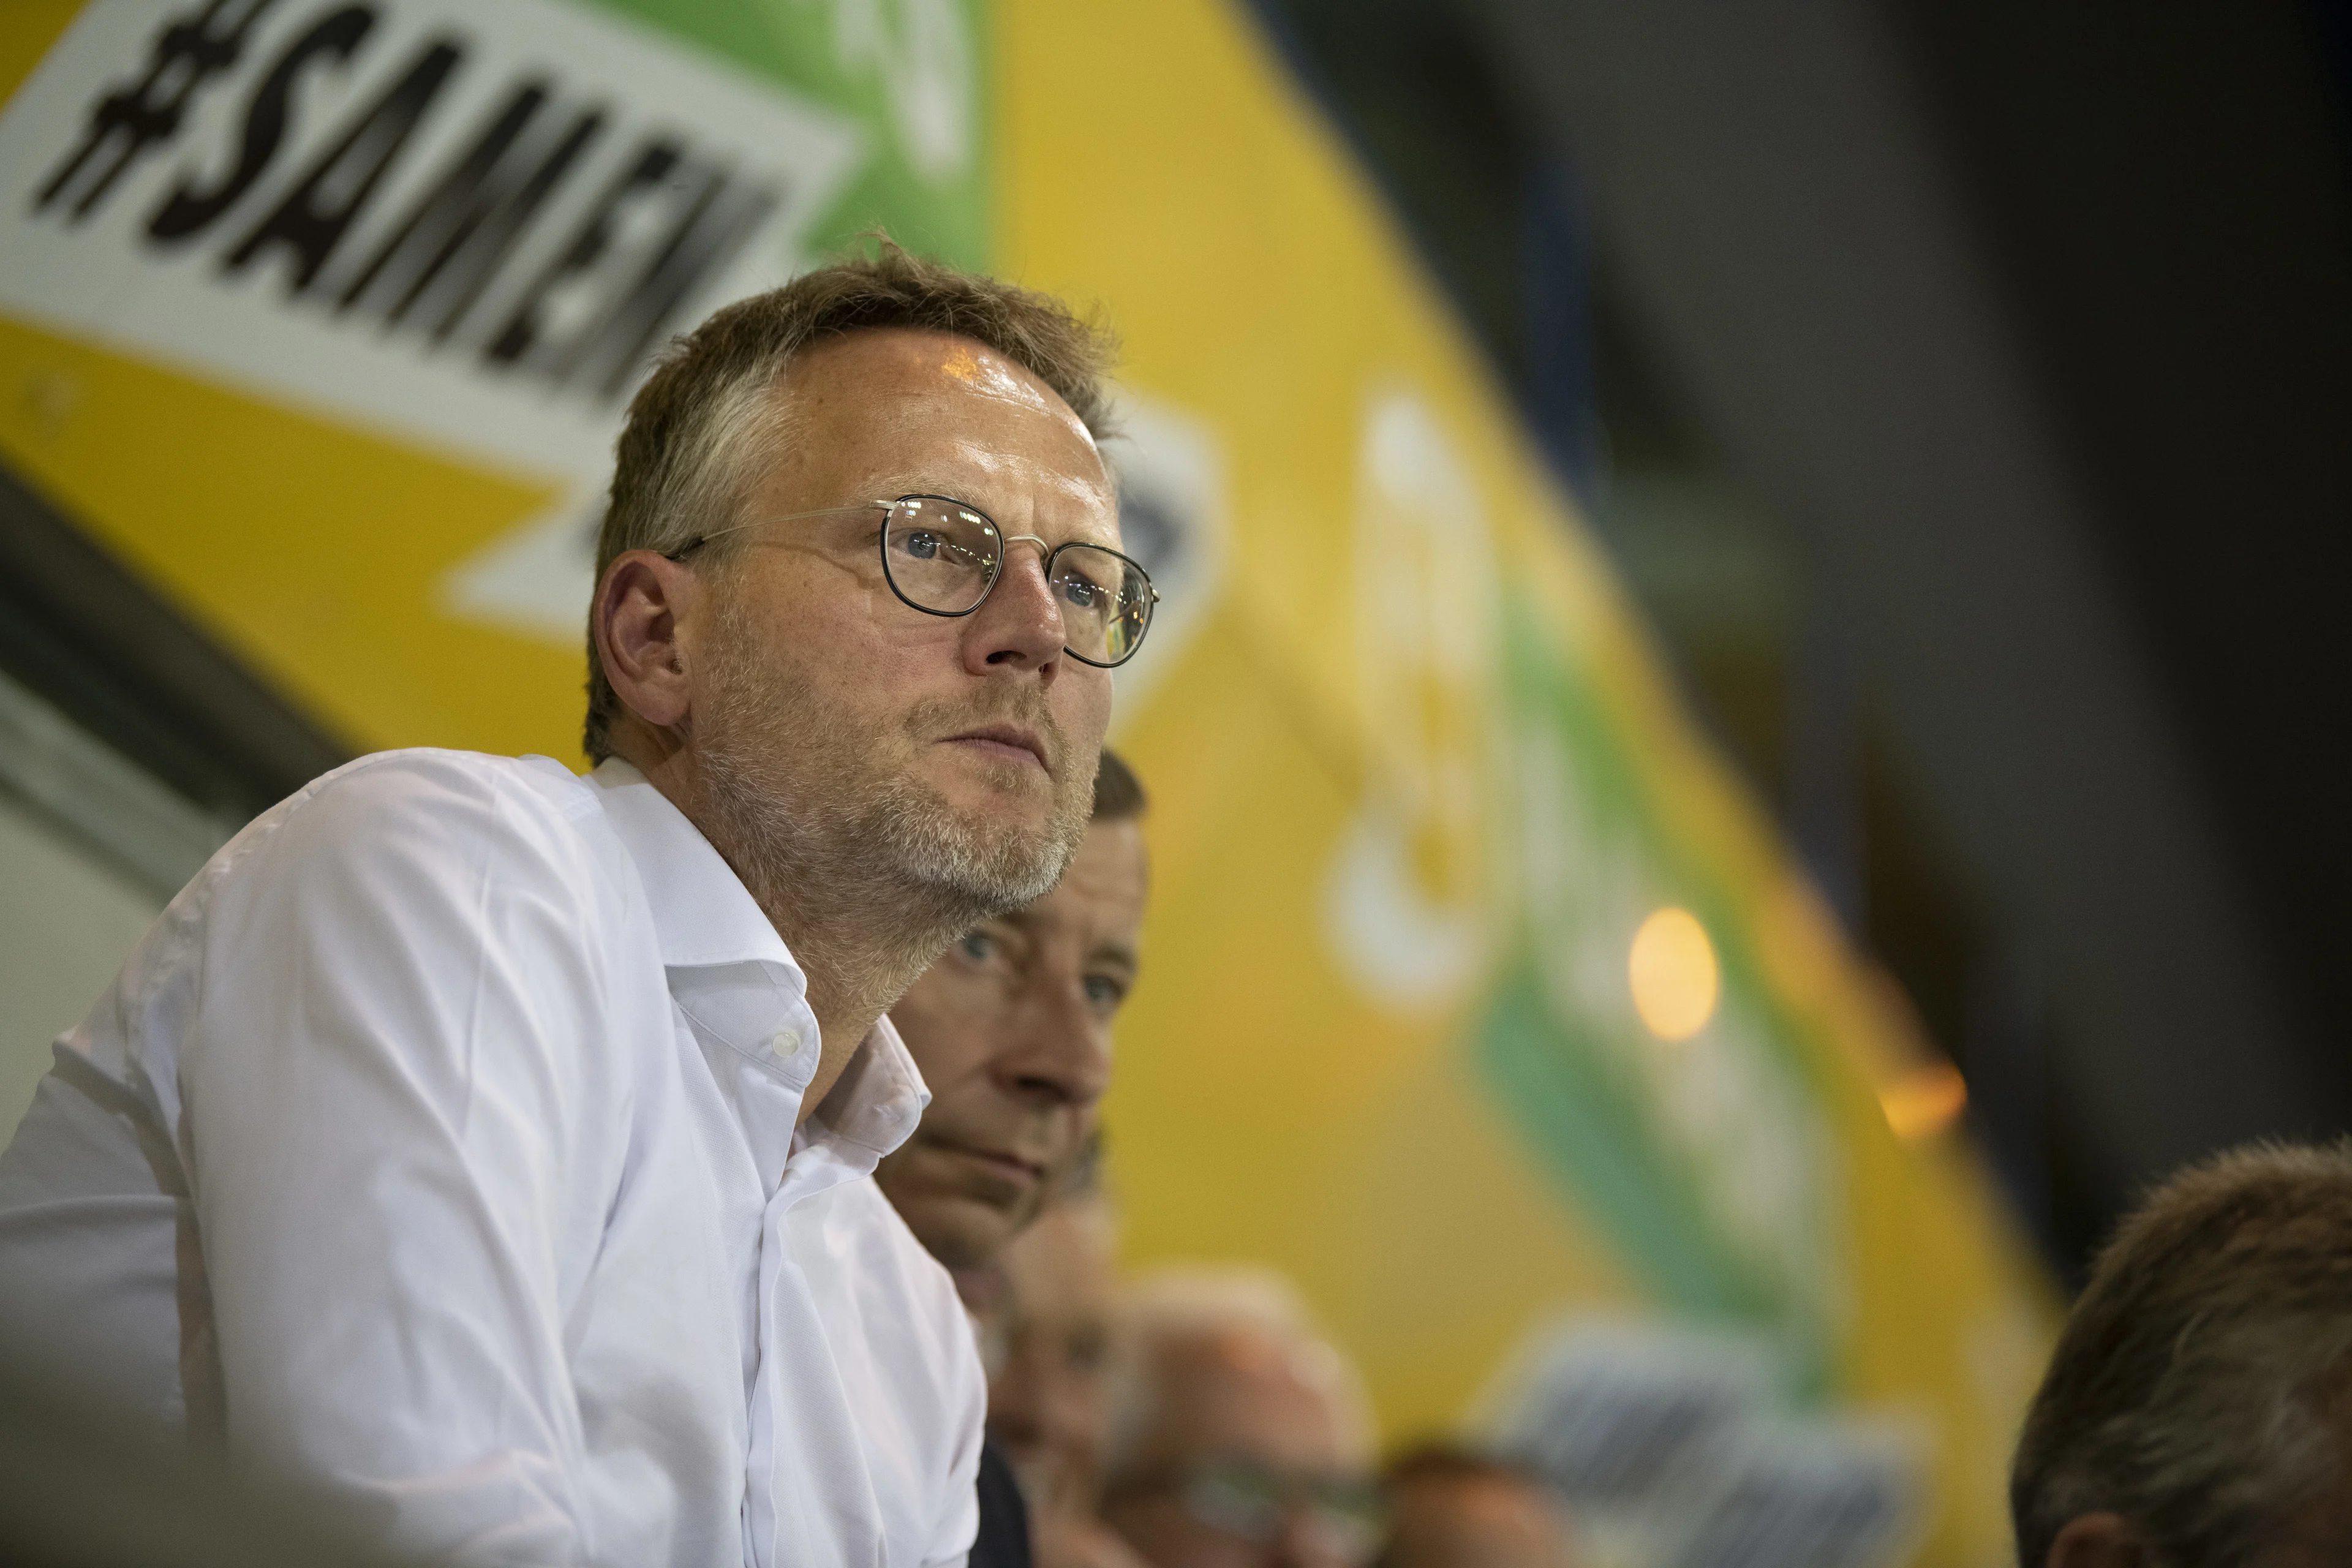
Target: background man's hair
[(1441, 1459), (1119, 793), (2193, 1388), (703, 419), (1176, 1304)]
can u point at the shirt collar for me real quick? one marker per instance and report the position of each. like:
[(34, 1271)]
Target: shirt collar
[(702, 913), (876, 1105), (739, 983)]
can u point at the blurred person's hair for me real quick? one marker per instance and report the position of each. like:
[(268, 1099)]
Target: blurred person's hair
[(1201, 1302), (1440, 1459), (1119, 793), (1442, 1462), (688, 453), (2193, 1388)]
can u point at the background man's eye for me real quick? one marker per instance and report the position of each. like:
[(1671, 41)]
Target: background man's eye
[(978, 946), (1104, 992)]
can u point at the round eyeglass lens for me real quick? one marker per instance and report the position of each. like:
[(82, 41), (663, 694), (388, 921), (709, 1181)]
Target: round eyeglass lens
[(941, 555), (1106, 602)]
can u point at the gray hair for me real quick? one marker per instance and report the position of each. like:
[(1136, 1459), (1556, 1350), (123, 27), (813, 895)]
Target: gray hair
[(1189, 1303), (2194, 1387)]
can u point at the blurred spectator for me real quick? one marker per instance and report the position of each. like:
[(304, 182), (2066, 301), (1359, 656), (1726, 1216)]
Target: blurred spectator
[(1450, 1507), (1048, 1395), (1239, 1437), (1010, 1029), (2199, 1407)]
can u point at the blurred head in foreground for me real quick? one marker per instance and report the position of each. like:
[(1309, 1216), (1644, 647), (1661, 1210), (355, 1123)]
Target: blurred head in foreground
[(2198, 1408), (1239, 1435), (1011, 1027), (1449, 1507)]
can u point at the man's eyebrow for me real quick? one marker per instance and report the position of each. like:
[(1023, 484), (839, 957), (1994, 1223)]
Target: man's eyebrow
[(1115, 951)]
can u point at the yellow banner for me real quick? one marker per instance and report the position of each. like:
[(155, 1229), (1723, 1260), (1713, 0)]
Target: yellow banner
[(1419, 786)]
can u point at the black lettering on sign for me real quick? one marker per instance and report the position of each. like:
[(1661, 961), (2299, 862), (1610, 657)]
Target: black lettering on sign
[(315, 215), (603, 353), (666, 220), (144, 114), (453, 240), (527, 326), (188, 211), (720, 219)]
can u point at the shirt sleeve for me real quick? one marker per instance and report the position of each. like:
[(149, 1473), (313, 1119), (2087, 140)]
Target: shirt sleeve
[(398, 1054)]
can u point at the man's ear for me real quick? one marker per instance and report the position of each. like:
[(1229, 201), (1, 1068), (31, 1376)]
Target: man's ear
[(639, 604), (2097, 1541)]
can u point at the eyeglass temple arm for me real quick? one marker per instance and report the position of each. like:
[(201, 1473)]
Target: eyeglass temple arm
[(708, 535)]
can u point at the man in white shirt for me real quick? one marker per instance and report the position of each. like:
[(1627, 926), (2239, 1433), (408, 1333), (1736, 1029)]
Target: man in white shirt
[(494, 1146)]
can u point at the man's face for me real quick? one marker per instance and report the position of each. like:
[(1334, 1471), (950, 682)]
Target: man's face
[(1010, 1028), (1046, 1404), (841, 734), (1251, 1462)]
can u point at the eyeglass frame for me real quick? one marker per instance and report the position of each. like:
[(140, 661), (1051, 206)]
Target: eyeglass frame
[(996, 573), (1291, 1495)]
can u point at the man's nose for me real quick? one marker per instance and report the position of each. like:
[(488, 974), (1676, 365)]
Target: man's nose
[(1066, 1051), (1020, 624)]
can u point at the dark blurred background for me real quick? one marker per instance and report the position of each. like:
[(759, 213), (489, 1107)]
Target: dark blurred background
[(1964, 388)]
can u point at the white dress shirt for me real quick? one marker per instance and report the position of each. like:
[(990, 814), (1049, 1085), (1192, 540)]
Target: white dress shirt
[(438, 1145)]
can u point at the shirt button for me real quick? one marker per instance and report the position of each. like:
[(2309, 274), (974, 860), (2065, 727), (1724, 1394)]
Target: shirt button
[(786, 1044)]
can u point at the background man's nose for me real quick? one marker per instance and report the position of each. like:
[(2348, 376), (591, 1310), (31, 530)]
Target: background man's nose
[(1064, 1053)]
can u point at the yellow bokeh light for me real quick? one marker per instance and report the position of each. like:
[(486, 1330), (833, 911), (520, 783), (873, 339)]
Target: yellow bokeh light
[(1673, 970), (1924, 1100)]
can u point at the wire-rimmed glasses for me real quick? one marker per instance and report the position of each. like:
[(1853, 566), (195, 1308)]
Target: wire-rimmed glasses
[(1256, 1502), (943, 557)]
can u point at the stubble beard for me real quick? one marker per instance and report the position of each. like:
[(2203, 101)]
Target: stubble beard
[(865, 869)]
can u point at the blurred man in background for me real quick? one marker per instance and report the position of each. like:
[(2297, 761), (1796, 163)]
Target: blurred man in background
[(493, 1146), (1049, 1393), (1452, 1507), (1012, 1029), (2199, 1407), (1239, 1436)]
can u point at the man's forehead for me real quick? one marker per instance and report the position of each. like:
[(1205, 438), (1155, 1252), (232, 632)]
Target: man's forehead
[(1054, 916), (911, 363), (888, 413), (1100, 897), (968, 365)]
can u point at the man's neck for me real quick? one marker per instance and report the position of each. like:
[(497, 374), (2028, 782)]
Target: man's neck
[(856, 970), (858, 949)]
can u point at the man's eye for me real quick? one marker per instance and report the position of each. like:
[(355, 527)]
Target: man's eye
[(978, 946), (1105, 992)]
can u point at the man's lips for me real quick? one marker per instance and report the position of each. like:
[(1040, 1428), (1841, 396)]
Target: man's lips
[(1012, 742), (1003, 1162)]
